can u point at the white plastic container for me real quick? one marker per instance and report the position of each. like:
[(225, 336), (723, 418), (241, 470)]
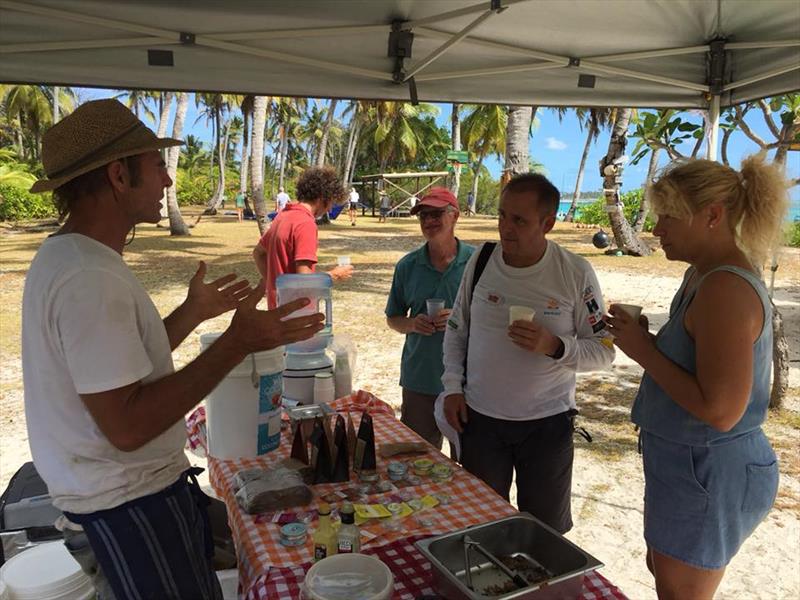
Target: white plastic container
[(349, 577), (243, 412), (298, 377), (46, 572), (342, 375), (324, 391)]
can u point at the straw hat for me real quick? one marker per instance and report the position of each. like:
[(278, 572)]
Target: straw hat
[(95, 134)]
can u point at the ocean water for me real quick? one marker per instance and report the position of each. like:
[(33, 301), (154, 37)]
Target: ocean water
[(793, 214)]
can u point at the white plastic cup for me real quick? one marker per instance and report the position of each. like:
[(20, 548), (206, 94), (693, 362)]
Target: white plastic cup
[(520, 313), (634, 311), (435, 306), (343, 261)]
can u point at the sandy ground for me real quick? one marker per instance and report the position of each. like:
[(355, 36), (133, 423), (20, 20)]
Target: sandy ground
[(608, 483)]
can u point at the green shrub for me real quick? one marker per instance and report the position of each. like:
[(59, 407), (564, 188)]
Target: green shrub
[(18, 204), (595, 213), (793, 234), (195, 190)]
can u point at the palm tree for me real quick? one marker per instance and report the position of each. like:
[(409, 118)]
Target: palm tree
[(358, 110), (484, 134), (260, 104), (594, 119), (214, 107), (165, 104), (455, 142), (177, 226), (326, 132), (28, 112), (520, 119), (287, 120), (139, 103), (400, 129), (611, 171), (247, 118)]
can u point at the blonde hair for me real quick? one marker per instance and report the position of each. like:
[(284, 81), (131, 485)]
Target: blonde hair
[(755, 199)]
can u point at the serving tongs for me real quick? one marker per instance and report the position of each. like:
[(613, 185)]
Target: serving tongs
[(469, 543)]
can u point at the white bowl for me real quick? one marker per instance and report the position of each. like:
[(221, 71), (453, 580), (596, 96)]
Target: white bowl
[(349, 577)]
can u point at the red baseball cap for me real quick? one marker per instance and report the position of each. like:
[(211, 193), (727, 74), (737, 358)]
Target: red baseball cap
[(437, 197)]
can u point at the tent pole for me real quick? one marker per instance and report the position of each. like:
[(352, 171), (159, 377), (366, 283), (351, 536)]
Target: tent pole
[(760, 77), (713, 134)]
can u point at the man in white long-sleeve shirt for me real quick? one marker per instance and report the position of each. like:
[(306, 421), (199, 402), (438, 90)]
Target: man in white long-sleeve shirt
[(514, 405)]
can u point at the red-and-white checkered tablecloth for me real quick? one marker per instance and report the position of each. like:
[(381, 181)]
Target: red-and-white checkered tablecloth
[(412, 577), (268, 569)]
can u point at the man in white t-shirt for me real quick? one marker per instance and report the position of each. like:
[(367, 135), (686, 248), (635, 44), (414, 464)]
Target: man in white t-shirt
[(515, 403), (353, 206), (104, 405), (281, 200)]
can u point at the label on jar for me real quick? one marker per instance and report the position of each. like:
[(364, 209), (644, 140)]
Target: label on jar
[(345, 547), (320, 551)]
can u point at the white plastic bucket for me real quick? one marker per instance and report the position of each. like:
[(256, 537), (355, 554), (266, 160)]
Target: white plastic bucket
[(349, 577), (46, 572), (298, 377), (243, 412)]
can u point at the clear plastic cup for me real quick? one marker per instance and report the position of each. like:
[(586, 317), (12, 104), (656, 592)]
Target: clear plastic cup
[(520, 313), (633, 310), (435, 306), (343, 261)]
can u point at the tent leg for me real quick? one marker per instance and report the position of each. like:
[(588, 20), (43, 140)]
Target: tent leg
[(713, 136)]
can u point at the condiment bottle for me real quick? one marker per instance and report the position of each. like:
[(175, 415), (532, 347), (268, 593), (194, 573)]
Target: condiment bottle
[(349, 538), (324, 537)]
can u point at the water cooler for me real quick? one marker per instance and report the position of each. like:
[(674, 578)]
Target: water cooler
[(307, 358)]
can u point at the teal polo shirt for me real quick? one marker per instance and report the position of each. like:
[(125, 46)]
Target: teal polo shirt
[(415, 280)]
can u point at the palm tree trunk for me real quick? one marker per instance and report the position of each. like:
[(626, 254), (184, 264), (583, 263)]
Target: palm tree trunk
[(283, 151), (780, 346), (219, 192), (257, 161), (476, 176), (56, 104), (245, 157), (354, 161), (579, 181), (455, 138), (177, 226), (641, 216), (611, 172), (165, 101), (326, 132), (352, 143), (517, 139)]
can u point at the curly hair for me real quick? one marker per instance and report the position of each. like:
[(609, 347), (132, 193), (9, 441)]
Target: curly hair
[(320, 184), (755, 199)]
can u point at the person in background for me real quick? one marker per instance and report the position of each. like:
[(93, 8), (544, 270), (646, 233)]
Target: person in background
[(710, 473), (470, 204), (433, 270), (281, 200), (240, 205), (104, 404), (385, 206), (290, 244), (515, 403), (353, 206)]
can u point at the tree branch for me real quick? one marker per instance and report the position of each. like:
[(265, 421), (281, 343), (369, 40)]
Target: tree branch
[(794, 182), (696, 148), (723, 148), (746, 128), (768, 118)]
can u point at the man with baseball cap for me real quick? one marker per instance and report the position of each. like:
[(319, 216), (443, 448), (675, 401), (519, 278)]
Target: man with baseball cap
[(104, 405), (431, 272)]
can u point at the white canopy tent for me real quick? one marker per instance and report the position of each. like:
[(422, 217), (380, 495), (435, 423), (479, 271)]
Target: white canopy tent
[(649, 53), (654, 53)]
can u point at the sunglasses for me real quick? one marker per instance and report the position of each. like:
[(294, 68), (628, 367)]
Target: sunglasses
[(424, 215)]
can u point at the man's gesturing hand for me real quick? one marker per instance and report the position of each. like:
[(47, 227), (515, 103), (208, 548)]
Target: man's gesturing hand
[(209, 300), (257, 330)]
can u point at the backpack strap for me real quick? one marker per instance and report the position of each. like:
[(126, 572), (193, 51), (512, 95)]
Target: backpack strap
[(480, 265)]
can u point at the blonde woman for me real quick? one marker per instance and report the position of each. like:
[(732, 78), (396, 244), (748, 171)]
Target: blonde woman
[(710, 473)]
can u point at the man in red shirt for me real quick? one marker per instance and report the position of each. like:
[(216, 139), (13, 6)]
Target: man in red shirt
[(290, 244)]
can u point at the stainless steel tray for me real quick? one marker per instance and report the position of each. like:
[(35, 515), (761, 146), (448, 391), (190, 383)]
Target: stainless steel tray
[(521, 536)]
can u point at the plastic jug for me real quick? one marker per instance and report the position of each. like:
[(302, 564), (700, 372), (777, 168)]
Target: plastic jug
[(317, 287)]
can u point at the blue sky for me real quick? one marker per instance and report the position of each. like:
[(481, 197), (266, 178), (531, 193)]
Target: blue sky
[(557, 144)]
